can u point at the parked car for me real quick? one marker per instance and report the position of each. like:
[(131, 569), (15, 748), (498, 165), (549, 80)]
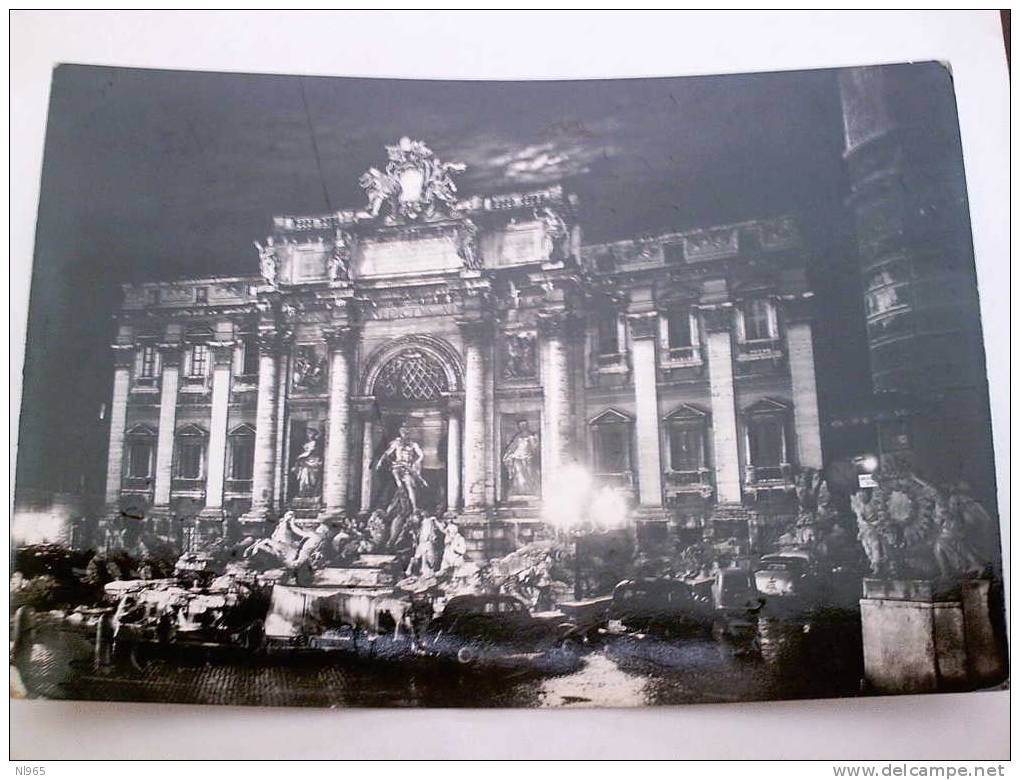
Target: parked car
[(660, 606), (787, 579), (737, 604), (499, 630)]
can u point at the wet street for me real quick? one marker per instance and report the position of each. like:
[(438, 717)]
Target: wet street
[(624, 671)]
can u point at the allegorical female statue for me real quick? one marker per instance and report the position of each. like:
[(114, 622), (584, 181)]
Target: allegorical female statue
[(520, 458), (307, 469)]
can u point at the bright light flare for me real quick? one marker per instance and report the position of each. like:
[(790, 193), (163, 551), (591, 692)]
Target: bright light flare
[(867, 463), (566, 503), (608, 509)]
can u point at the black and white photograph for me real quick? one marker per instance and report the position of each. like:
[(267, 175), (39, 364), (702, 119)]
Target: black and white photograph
[(367, 392)]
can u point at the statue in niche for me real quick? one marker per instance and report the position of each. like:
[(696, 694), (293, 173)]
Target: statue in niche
[(307, 469), (405, 456), (269, 262), (340, 258), (309, 369), (519, 356), (520, 459)]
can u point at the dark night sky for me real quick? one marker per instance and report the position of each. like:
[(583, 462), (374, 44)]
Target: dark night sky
[(162, 174)]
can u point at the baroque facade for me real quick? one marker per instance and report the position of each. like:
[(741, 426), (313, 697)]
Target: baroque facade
[(677, 369)]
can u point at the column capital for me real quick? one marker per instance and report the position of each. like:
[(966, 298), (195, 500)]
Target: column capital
[(272, 340), (170, 353), (222, 353), (558, 323), (340, 338), (123, 355), (476, 329), (364, 405), (644, 325), (800, 309), (718, 318), (454, 403)]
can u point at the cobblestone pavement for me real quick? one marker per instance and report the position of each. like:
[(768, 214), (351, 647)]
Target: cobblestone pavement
[(630, 671)]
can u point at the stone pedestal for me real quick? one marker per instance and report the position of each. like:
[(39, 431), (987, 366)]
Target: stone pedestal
[(206, 527), (986, 662), (917, 642)]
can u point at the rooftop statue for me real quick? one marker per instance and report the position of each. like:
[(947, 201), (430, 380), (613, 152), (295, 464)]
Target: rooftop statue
[(415, 183)]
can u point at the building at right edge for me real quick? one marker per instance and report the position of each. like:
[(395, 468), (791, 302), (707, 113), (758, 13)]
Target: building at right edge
[(909, 200)]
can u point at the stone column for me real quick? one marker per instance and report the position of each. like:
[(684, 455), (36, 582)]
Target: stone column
[(222, 355), (279, 453), (171, 359), (123, 356), (337, 459), (454, 409), (475, 334), (644, 332), (802, 377), (724, 416), (556, 329), (367, 451), (265, 427)]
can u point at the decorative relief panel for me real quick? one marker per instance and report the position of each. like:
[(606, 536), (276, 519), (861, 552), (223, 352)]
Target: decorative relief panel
[(519, 356), (309, 368), (711, 245)]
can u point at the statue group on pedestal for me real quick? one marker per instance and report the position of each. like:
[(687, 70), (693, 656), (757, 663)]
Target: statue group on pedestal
[(908, 527)]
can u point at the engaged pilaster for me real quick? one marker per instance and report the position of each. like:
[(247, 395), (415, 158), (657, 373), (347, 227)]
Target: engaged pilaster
[(123, 355), (644, 332), (724, 415), (802, 376), (222, 355), (170, 356)]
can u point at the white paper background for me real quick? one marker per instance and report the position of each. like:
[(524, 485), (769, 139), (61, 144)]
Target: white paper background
[(512, 45)]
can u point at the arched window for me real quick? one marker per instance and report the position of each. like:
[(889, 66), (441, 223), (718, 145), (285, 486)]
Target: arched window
[(411, 375), (241, 454), (189, 455)]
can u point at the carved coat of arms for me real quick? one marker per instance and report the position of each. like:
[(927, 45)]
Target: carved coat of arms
[(415, 184)]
